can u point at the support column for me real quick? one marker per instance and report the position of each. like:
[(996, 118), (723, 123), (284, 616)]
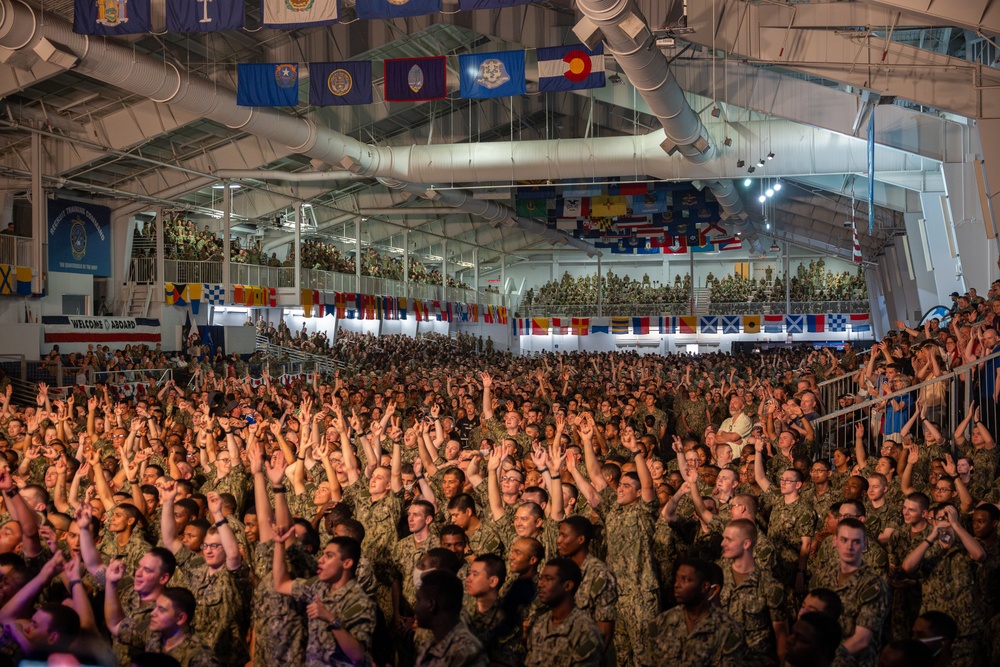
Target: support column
[(503, 280), (475, 269), (161, 271), (298, 250), (444, 270), (940, 242), (39, 215), (987, 182), (227, 253), (876, 303), (600, 289), (921, 263), (788, 280), (406, 263), (357, 254), (691, 273)]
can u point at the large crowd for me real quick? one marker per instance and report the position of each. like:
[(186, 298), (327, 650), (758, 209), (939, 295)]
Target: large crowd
[(810, 283), (583, 290), (444, 503)]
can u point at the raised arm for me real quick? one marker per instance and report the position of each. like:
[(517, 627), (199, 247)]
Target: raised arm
[(226, 535), (758, 466), (492, 484), (31, 546), (282, 580), (586, 431), (168, 526), (487, 396), (584, 486)]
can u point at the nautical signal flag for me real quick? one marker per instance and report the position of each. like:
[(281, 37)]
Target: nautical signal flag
[(619, 325), (298, 13), (581, 326), (498, 74), (640, 325), (570, 68), (751, 324), (861, 321), (267, 84), (203, 16), (111, 17), (774, 323), (416, 79), (390, 9), (539, 326), (687, 324), (816, 323), (340, 83)]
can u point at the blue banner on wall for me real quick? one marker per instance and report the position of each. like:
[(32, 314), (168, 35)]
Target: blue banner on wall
[(79, 238)]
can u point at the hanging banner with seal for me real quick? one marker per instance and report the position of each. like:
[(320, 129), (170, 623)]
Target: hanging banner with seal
[(79, 238)]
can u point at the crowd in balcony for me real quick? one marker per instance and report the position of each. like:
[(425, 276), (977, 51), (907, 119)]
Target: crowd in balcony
[(582, 290), (810, 283)]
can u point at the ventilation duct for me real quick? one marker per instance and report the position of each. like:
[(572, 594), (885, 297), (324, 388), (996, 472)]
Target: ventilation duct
[(626, 33)]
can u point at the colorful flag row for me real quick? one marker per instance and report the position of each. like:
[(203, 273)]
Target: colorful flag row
[(691, 324), (355, 306), (481, 76), (15, 280), (125, 17), (193, 294)]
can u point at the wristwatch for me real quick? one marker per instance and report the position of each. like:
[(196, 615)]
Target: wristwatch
[(335, 624)]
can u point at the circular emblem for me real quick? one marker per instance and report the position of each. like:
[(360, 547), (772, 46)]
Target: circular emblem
[(578, 64), (111, 13), (78, 239), (286, 75), (339, 82), (398, 3), (415, 78)]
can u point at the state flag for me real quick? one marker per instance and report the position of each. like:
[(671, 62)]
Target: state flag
[(416, 79), (340, 83), (730, 324), (751, 324), (575, 207), (111, 17), (709, 324), (640, 325), (299, 13), (497, 74), (204, 15), (608, 206), (267, 84), (816, 323), (391, 9), (774, 323), (572, 67)]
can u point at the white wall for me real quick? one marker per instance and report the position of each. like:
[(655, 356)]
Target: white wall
[(239, 339), (23, 339), (65, 283)]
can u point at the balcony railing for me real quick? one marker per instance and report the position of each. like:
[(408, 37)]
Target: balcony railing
[(607, 309), (182, 271), (782, 308), (15, 250)]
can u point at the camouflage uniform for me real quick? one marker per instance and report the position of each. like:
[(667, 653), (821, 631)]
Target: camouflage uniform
[(756, 603), (379, 517), (130, 554), (349, 605), (502, 639), (237, 482), (865, 596), (134, 631), (821, 504), (905, 587), (573, 642), (877, 519), (220, 609), (497, 432), (875, 557), (693, 412), (280, 627), (763, 551), (485, 540), (406, 555), (951, 577), (458, 648), (193, 651), (629, 538), (717, 640), (789, 523)]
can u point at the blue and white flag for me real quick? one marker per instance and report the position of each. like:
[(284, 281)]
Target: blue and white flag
[(332, 84), (390, 9), (111, 17), (499, 74), (204, 15), (267, 84), (298, 13), (795, 323), (570, 68), (836, 322), (731, 324), (708, 324), (213, 294)]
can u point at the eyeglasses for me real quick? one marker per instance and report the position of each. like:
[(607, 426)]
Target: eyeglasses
[(118, 436), (212, 545), (787, 481), (508, 478)]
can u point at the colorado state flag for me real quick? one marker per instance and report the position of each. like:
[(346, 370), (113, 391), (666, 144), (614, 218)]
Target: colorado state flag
[(204, 16), (499, 74), (111, 17), (570, 68), (340, 83), (267, 84), (388, 9), (415, 79)]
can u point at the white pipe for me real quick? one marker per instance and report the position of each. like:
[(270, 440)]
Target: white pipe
[(287, 176)]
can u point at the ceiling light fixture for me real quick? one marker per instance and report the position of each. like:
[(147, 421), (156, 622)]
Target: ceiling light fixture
[(760, 163), (740, 164), (777, 186), (770, 156), (762, 199), (751, 170), (747, 182), (769, 192)]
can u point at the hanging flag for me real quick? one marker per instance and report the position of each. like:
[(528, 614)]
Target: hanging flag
[(640, 325), (248, 294), (687, 324), (379, 308), (581, 326), (267, 84), (307, 302), (675, 245), (774, 323), (391, 9), (560, 326), (272, 297), (340, 83), (469, 5), (795, 324), (475, 312), (539, 326), (204, 15), (730, 324), (709, 324), (734, 243), (502, 313), (815, 323), (213, 294), (608, 206), (194, 297), (489, 315), (416, 79), (575, 207), (855, 241), (836, 322), (668, 325), (299, 13), (8, 279), (751, 324), (619, 325), (178, 294), (570, 68), (497, 74), (401, 308), (861, 322), (238, 294), (600, 329), (330, 301), (871, 172), (418, 310), (111, 17)]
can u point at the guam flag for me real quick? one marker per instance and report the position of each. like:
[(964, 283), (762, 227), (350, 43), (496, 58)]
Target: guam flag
[(415, 79), (570, 68)]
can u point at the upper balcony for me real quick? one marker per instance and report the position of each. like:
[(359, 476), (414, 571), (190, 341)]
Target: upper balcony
[(15, 250)]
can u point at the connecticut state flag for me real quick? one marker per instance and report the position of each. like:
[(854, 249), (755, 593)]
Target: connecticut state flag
[(499, 74), (340, 83), (415, 79), (570, 68), (111, 17), (390, 9), (204, 16), (267, 84), (298, 13)]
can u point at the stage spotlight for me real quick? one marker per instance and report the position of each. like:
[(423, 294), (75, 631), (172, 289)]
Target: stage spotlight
[(770, 156)]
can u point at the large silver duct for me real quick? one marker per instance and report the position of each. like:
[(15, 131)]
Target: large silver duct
[(625, 31)]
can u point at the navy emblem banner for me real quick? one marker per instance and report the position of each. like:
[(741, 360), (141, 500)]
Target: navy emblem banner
[(111, 17), (388, 9), (415, 79), (499, 74), (267, 85), (79, 238), (340, 83), (204, 15)]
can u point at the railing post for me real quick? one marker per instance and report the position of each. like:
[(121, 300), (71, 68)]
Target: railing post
[(24, 369), (227, 252), (59, 373)]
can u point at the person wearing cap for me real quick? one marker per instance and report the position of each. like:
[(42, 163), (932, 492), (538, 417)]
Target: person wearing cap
[(954, 304), (9, 230)]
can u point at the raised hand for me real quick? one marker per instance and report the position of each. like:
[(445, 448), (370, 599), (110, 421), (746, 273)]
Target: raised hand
[(214, 503), (115, 571), (275, 468)]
